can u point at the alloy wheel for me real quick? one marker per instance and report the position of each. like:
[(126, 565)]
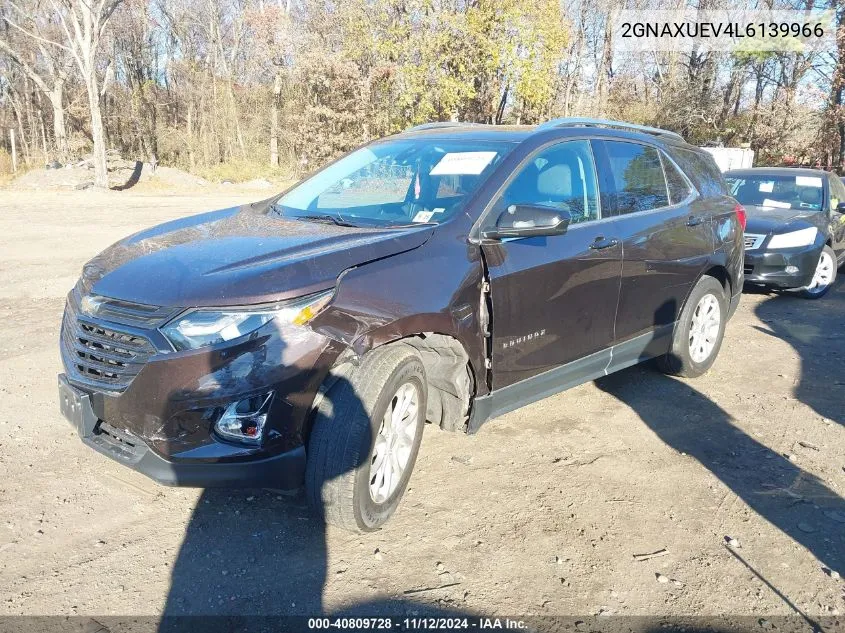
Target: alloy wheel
[(823, 276), (394, 442), (704, 329)]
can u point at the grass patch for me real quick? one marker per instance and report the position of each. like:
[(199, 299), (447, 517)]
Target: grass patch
[(243, 171)]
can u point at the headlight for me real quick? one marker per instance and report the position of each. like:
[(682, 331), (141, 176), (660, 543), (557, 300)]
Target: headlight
[(804, 237), (201, 327)]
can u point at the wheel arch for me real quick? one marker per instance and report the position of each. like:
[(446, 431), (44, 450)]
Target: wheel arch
[(676, 360), (721, 274), (718, 272), (450, 375)]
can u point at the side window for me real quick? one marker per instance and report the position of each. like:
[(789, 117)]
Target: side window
[(635, 180), (678, 186), (837, 192), (702, 170), (561, 177)]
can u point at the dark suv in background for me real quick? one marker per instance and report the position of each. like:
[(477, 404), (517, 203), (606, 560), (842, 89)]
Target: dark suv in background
[(448, 274)]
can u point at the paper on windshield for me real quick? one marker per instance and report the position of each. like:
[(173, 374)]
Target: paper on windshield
[(808, 181), (767, 187), (777, 204), (423, 216), (462, 163)]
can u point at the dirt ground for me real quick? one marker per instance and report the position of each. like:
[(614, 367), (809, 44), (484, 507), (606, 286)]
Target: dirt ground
[(541, 513), (141, 178)]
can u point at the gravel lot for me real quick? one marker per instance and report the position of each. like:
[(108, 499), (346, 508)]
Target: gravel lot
[(542, 512)]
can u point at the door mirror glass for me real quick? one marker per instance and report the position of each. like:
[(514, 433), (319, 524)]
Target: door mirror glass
[(527, 220)]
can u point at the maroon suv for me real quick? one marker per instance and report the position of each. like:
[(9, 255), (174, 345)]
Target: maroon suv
[(448, 274)]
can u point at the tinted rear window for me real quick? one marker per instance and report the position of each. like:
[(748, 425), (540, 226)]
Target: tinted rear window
[(679, 188), (702, 170), (635, 180)]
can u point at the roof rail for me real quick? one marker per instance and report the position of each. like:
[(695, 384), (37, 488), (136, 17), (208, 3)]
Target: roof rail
[(440, 124), (587, 122)]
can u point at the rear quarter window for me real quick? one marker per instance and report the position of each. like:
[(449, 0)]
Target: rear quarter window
[(701, 169), (679, 188)]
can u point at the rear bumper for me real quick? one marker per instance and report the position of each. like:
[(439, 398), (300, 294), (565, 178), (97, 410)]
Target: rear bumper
[(769, 267), (284, 471)]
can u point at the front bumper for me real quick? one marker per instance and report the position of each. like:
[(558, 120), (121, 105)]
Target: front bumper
[(769, 267), (284, 470), (160, 420)]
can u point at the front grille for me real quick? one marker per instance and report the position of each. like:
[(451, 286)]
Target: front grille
[(747, 270), (122, 312), (753, 241), (100, 354)]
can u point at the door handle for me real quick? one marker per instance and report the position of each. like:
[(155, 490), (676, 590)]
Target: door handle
[(603, 242), (694, 220)]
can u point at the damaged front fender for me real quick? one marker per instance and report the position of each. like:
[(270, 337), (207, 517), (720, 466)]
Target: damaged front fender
[(427, 298)]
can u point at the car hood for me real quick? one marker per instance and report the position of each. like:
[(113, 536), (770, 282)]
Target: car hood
[(765, 220), (237, 256)]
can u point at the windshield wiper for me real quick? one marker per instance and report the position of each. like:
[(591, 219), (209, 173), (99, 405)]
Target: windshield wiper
[(324, 219)]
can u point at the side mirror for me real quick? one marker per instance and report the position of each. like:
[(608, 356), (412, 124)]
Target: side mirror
[(841, 207), (529, 220)]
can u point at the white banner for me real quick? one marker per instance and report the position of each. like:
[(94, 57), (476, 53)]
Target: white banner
[(728, 30)]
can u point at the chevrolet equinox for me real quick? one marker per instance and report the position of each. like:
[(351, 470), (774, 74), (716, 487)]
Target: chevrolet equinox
[(448, 274)]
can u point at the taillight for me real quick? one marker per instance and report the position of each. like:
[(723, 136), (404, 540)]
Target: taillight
[(740, 215)]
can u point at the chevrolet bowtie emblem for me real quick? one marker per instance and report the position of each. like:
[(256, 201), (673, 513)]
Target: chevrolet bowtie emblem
[(89, 305)]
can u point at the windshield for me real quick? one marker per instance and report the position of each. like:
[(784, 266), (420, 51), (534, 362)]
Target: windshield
[(779, 192), (395, 183)]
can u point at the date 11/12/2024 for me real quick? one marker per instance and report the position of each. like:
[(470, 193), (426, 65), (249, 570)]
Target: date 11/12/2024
[(417, 623)]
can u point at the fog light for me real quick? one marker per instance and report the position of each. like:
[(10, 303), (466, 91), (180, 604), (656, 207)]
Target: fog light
[(244, 420), (791, 270)]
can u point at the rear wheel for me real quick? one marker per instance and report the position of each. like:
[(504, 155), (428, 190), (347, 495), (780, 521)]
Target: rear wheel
[(365, 440), (698, 333), (824, 276)]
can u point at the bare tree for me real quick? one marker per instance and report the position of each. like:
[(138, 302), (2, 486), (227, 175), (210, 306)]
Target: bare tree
[(50, 76), (83, 25), (234, 89)]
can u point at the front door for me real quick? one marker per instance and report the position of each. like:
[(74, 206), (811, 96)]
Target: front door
[(553, 298)]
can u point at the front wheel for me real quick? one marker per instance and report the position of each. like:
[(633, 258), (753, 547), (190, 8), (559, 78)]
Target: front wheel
[(824, 276), (698, 332), (365, 440)]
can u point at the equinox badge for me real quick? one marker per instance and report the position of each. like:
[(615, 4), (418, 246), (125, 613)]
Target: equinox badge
[(523, 339)]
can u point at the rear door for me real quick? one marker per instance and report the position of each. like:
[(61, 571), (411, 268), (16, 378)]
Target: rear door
[(553, 298), (667, 239)]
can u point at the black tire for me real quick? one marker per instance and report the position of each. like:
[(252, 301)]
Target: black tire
[(818, 294), (678, 361), (340, 449)]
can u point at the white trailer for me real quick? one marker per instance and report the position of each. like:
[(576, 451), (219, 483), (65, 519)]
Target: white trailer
[(731, 157)]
